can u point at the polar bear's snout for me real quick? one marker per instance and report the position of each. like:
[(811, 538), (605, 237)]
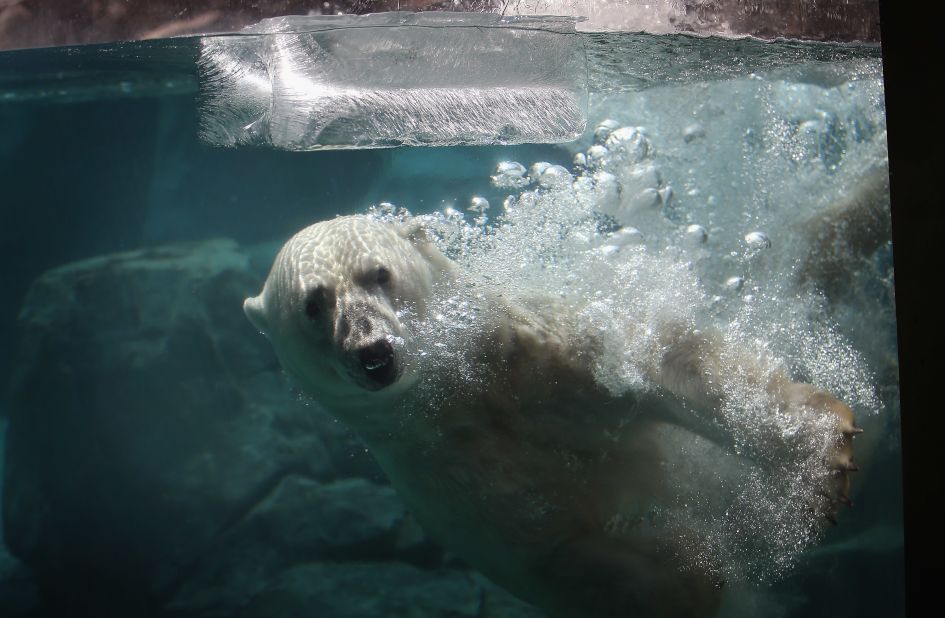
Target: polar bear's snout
[(379, 363), (365, 333)]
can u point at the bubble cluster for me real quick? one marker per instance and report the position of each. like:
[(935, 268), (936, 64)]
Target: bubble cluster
[(598, 241)]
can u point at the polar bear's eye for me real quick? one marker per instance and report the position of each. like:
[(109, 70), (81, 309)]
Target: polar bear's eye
[(383, 276), (314, 303)]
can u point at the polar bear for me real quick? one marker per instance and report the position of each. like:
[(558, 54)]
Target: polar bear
[(528, 468)]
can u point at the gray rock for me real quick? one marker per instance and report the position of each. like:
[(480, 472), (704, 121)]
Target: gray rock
[(388, 590), (301, 521), (367, 590), (346, 519), (147, 418), (497, 603)]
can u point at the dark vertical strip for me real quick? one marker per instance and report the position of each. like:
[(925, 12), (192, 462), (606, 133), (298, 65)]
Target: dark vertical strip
[(914, 114)]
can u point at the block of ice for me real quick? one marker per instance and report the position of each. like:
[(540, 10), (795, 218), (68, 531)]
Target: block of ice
[(392, 79)]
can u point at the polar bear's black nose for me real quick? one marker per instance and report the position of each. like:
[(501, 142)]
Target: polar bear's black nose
[(378, 362)]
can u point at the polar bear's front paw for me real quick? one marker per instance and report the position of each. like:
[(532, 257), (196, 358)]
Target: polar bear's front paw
[(836, 491)]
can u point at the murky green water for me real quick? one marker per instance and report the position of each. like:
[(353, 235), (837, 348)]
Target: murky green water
[(157, 460)]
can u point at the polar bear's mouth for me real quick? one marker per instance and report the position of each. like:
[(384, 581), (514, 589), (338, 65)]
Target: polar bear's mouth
[(379, 363)]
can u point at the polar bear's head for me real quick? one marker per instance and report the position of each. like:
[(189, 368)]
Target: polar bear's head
[(335, 303)]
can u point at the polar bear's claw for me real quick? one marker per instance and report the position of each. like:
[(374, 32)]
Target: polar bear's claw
[(836, 491), (845, 460)]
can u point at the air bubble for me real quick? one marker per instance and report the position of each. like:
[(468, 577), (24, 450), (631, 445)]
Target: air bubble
[(642, 176), (510, 175), (626, 236), (696, 234), (452, 214), (648, 199), (478, 205), (604, 129), (756, 242), (580, 160), (537, 169), (510, 167), (734, 284), (628, 144), (597, 155), (528, 199), (555, 177), (693, 132), (666, 196), (602, 191), (810, 127), (584, 191)]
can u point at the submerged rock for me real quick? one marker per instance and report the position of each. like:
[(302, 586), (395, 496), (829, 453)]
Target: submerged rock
[(300, 522), (392, 590), (148, 421), (356, 590)]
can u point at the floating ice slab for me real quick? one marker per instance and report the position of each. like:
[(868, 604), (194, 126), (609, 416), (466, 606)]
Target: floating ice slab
[(393, 79)]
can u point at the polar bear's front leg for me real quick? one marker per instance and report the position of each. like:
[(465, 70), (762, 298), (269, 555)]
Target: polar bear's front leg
[(759, 411)]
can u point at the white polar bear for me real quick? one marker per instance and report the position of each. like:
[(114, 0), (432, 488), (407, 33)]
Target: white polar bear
[(527, 467)]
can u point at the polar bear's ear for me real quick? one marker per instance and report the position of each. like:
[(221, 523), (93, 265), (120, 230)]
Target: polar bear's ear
[(416, 233), (253, 308)]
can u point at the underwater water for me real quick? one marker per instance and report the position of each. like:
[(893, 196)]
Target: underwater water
[(158, 461)]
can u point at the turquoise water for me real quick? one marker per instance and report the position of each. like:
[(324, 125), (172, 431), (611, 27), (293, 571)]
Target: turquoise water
[(157, 461)]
